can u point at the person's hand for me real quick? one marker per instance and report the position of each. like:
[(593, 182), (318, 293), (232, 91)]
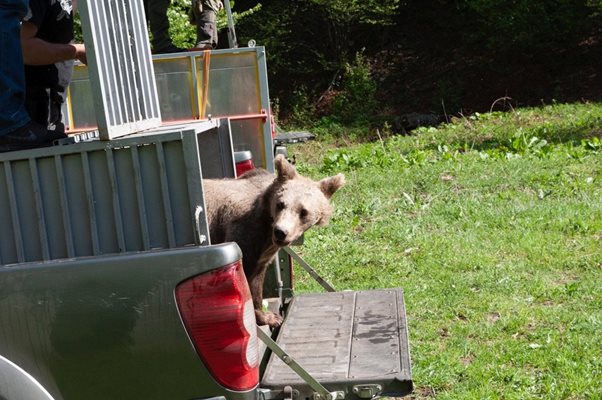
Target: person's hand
[(80, 52)]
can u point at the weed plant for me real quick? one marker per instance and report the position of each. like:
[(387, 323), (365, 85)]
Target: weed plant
[(492, 224)]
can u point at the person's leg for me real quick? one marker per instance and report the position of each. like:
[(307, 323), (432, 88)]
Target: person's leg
[(206, 29), (12, 74), (159, 25), (37, 104), (55, 111), (17, 130)]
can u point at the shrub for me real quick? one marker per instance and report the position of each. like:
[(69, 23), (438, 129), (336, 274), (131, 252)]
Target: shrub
[(302, 112), (356, 102), (517, 25)]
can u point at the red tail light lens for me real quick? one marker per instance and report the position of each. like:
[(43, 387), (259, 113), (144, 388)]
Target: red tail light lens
[(244, 166), (218, 313)]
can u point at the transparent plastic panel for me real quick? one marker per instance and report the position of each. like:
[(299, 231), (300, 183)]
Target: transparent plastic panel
[(233, 85), (176, 89), (248, 135), (80, 103)]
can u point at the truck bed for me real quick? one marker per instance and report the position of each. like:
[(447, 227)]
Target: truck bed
[(352, 341)]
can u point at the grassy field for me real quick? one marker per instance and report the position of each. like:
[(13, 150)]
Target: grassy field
[(493, 226)]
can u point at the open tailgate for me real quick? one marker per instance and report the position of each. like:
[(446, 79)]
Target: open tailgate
[(352, 342)]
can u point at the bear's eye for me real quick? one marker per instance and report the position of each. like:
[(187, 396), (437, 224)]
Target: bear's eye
[(303, 213), (280, 206)]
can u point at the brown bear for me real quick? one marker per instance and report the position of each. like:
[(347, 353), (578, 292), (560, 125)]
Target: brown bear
[(262, 213)]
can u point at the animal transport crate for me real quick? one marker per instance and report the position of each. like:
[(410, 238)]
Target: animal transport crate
[(134, 193), (195, 86)]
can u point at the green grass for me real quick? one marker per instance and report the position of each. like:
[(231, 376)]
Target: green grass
[(493, 226)]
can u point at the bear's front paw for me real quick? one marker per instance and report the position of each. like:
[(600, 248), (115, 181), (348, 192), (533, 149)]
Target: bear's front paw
[(268, 318)]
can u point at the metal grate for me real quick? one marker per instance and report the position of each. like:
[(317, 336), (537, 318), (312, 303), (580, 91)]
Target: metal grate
[(121, 68)]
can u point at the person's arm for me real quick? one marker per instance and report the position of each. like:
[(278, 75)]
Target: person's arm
[(40, 52)]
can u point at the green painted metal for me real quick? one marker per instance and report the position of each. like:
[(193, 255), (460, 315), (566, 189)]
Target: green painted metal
[(135, 193), (108, 327)]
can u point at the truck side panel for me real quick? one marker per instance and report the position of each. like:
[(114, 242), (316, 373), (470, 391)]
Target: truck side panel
[(108, 327)]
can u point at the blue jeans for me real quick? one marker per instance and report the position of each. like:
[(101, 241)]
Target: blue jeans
[(12, 74)]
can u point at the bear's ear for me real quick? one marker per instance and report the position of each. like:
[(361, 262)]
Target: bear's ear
[(330, 185), (284, 169)]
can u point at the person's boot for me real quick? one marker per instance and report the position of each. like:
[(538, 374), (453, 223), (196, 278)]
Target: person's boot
[(170, 49), (203, 46), (29, 136)]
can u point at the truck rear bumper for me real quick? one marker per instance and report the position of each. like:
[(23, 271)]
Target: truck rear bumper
[(354, 342)]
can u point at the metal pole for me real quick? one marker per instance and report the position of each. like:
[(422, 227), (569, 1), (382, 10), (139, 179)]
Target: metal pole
[(286, 358), (231, 32), (310, 270)]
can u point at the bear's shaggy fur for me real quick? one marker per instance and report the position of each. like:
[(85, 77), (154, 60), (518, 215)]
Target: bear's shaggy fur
[(262, 213)]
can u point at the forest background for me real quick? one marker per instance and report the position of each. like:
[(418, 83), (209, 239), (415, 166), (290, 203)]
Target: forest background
[(403, 63)]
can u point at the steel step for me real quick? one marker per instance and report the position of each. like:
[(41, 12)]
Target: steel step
[(354, 341)]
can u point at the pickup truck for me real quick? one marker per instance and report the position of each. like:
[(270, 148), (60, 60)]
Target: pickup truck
[(110, 287), (127, 326)]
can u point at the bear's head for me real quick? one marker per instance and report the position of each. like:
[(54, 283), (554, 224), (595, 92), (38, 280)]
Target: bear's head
[(297, 203)]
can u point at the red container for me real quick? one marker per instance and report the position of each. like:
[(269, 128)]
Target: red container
[(243, 161)]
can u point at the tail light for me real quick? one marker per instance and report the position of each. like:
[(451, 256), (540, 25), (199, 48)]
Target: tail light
[(218, 313)]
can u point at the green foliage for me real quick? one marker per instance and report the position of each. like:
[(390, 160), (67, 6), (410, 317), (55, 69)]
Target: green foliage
[(515, 25), (593, 144), (302, 112), (343, 15), (374, 12), (499, 136), (310, 42), (499, 258), (77, 29), (356, 101), (342, 160), (181, 31), (523, 144), (596, 4)]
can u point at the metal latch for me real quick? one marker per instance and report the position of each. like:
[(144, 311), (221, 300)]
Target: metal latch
[(367, 391), (329, 396)]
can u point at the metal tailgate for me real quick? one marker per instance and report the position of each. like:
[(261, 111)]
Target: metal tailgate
[(354, 342)]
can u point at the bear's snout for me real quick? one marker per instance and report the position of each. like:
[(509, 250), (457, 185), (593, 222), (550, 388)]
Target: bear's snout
[(280, 236)]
